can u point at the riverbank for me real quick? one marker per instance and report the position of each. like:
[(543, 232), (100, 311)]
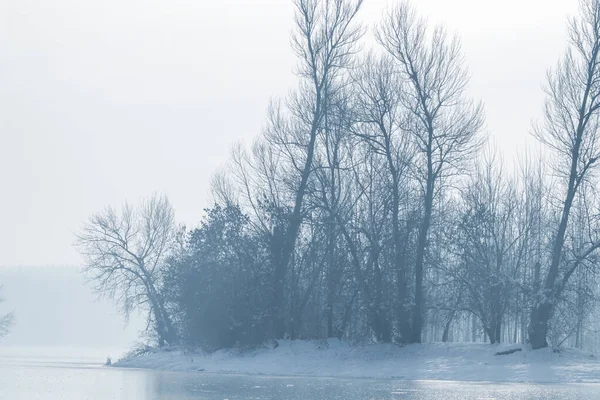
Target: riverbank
[(431, 361)]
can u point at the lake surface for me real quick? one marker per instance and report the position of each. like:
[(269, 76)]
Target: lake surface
[(84, 378)]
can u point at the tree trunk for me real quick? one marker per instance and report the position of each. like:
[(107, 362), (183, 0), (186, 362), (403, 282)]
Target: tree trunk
[(498, 333), (447, 329), (421, 248), (544, 307), (538, 325), (380, 325), (164, 327), (330, 332), (489, 333), (403, 312), (278, 317), (331, 282), (516, 330)]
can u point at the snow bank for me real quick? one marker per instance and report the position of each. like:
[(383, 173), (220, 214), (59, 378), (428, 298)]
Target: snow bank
[(432, 361)]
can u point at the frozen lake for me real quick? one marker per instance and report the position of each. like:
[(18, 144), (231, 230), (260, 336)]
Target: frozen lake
[(77, 378)]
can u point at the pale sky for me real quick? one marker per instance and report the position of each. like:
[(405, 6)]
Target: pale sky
[(107, 101)]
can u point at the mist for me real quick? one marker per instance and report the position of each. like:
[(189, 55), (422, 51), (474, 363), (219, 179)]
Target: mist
[(199, 191), (54, 306)]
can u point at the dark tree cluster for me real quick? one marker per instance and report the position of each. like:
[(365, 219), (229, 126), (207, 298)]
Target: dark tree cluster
[(372, 208)]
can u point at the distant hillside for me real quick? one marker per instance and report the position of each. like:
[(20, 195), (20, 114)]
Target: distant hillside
[(54, 306)]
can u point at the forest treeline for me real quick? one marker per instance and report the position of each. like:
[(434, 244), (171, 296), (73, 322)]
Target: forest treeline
[(372, 208)]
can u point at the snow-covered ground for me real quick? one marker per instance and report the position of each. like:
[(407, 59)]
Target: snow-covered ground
[(432, 361)]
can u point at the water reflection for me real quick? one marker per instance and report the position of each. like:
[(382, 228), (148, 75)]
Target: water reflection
[(70, 382)]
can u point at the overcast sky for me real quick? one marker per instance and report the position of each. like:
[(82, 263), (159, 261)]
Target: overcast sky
[(107, 101)]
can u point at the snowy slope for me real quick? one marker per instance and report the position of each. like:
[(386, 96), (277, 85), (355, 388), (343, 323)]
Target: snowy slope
[(433, 361)]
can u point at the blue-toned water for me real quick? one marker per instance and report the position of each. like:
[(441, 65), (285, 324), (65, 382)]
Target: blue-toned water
[(81, 376)]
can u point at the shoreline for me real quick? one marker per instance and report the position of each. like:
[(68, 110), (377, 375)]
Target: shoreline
[(462, 362)]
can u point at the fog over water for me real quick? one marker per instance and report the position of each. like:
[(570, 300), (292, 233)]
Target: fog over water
[(63, 313), (109, 102)]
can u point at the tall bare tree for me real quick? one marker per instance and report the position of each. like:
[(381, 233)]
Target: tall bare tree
[(570, 131), (379, 123), (324, 39), (330, 193), (124, 255), (443, 121)]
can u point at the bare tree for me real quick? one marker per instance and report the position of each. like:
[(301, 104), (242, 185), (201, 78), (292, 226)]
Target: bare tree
[(329, 193), (324, 40), (362, 222), (125, 254), (6, 321), (492, 250), (380, 118), (570, 130), (443, 121)]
